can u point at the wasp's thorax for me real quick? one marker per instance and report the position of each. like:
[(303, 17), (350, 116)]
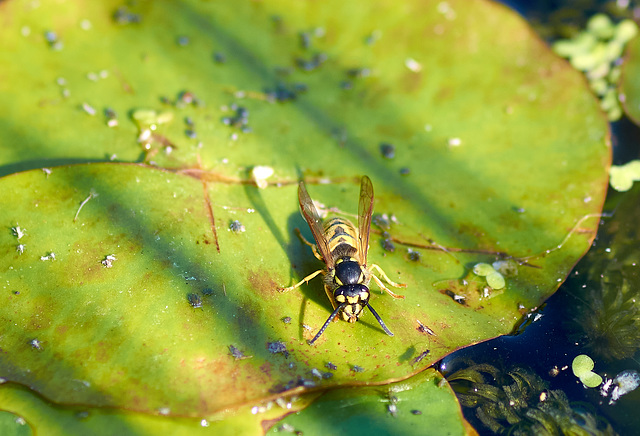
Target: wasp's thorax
[(348, 272)]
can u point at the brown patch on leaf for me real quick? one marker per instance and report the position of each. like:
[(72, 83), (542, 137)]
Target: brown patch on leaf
[(262, 282)]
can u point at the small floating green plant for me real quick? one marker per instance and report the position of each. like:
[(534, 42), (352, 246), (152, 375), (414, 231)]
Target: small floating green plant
[(596, 52)]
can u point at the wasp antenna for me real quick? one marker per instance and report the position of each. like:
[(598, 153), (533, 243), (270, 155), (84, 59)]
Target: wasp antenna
[(326, 324), (384, 327)]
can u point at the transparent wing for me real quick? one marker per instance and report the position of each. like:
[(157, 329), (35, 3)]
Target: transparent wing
[(312, 218), (365, 209)]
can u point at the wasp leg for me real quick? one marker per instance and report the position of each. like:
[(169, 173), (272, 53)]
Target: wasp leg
[(313, 246), (301, 282), (387, 279)]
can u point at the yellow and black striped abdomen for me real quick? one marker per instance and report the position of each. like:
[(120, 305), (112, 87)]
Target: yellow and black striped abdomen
[(342, 237)]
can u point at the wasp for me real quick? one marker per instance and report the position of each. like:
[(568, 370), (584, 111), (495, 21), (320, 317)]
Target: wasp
[(343, 248)]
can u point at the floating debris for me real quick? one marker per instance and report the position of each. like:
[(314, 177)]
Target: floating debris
[(186, 98), (260, 174), (236, 227), (624, 382), (240, 120), (311, 64), (382, 220), (330, 366), (53, 40), (111, 117), (107, 262), (356, 368), (219, 58), (282, 92), (237, 354), (50, 256), (277, 347), (36, 344), (194, 300), (286, 320), (387, 150), (506, 267), (413, 65), (424, 329), (414, 255), (88, 109), (454, 142), (387, 243), (18, 232), (123, 16)]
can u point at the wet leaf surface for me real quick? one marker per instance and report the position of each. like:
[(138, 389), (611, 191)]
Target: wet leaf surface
[(134, 286), (421, 405)]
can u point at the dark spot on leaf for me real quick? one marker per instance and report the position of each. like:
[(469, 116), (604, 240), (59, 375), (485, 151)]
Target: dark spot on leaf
[(388, 150), (237, 354), (460, 299), (236, 226), (416, 412), (277, 347), (356, 368), (219, 58), (382, 221), (388, 245), (331, 366), (194, 300)]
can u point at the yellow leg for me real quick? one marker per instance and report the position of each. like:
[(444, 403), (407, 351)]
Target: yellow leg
[(304, 280), (313, 246), (387, 279)]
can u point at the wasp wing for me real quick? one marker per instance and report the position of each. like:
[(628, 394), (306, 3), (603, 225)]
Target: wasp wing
[(310, 214), (365, 209)]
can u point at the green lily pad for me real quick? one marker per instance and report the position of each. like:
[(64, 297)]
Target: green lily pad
[(77, 420), (134, 286), (14, 425), (425, 405)]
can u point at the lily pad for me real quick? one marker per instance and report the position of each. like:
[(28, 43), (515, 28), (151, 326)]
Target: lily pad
[(59, 420), (425, 405), (133, 287)]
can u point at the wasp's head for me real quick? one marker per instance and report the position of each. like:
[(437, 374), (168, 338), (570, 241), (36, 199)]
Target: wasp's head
[(356, 298)]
